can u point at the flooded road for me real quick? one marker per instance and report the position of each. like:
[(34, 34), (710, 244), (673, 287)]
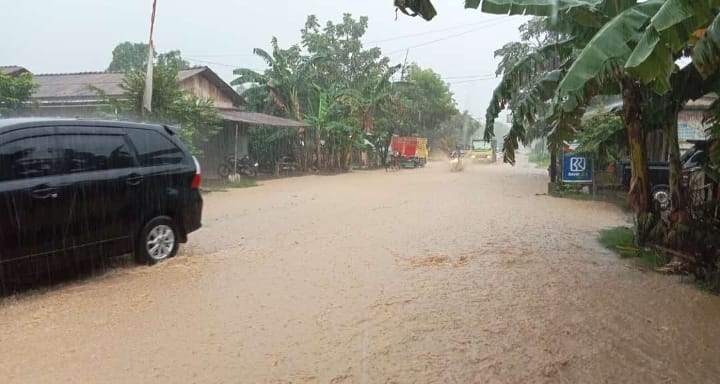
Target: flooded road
[(418, 276)]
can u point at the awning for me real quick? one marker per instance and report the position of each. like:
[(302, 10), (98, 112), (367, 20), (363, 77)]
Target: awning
[(254, 118)]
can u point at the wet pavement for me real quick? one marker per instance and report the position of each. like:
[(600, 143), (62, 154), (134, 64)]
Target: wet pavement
[(417, 276)]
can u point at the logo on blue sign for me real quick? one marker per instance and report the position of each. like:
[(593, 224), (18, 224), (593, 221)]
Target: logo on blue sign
[(577, 164), (577, 168)]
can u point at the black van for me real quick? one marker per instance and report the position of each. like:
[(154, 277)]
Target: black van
[(72, 185)]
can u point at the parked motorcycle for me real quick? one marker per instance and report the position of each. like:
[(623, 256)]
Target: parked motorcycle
[(245, 167)]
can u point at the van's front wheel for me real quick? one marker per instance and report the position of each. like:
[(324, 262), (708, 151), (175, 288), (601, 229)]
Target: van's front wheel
[(158, 241)]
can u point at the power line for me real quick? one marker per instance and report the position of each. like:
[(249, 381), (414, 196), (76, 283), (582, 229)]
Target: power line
[(226, 55), (469, 77), (234, 66), (472, 80), (433, 31), (399, 37), (462, 78), (443, 38)]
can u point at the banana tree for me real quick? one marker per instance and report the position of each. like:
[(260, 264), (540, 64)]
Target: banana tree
[(604, 34), (365, 102), (284, 79), (640, 47), (525, 88), (283, 83), (676, 29), (426, 10), (635, 47), (329, 100)]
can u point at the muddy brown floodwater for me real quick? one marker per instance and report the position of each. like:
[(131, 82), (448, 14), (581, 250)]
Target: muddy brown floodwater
[(417, 276)]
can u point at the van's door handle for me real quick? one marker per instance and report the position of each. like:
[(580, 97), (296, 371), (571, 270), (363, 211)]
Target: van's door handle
[(134, 179), (43, 193)]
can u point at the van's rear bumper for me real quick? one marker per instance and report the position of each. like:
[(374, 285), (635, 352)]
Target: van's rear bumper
[(192, 215)]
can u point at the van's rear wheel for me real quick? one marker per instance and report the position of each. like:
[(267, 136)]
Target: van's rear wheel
[(158, 241)]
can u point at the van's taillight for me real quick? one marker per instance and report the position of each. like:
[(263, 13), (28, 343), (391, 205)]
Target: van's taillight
[(197, 178)]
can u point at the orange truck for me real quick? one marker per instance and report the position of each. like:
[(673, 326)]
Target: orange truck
[(413, 150)]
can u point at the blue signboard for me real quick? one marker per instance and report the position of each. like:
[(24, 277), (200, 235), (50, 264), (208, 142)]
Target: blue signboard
[(577, 168)]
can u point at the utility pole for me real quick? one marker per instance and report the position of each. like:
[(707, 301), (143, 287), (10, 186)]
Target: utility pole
[(147, 94), (402, 71)]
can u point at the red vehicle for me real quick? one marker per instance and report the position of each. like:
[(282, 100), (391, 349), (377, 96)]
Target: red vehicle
[(411, 149)]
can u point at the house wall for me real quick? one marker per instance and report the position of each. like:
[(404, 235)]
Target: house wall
[(201, 87), (88, 111), (690, 125)]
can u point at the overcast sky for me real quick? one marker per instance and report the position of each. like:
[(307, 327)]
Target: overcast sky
[(50, 36)]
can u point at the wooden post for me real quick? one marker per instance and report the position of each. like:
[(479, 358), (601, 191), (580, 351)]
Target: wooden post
[(237, 128)]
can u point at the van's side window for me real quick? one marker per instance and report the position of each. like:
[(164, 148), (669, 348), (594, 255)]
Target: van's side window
[(85, 153), (155, 149), (29, 157)]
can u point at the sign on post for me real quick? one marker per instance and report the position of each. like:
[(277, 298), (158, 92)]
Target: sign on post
[(577, 168)]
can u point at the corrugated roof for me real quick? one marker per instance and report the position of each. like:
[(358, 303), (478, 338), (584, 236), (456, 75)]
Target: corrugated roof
[(12, 69), (254, 118), (76, 87), (702, 103), (190, 72)]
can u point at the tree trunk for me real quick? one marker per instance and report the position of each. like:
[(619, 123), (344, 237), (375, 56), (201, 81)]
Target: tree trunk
[(639, 185), (553, 166), (348, 154), (331, 156), (679, 196), (674, 160), (317, 148)]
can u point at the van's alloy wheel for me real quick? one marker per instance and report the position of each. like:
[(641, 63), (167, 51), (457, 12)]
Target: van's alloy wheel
[(158, 241)]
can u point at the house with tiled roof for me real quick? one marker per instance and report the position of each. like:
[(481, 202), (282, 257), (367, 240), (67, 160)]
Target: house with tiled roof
[(12, 70), (76, 95)]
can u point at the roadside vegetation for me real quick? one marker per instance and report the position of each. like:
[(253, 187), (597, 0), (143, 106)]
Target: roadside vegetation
[(539, 156), (15, 91), (621, 240), (225, 185), (354, 98)]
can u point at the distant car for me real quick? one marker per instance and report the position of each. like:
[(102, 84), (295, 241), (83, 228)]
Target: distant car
[(483, 151), (659, 172), (72, 185)]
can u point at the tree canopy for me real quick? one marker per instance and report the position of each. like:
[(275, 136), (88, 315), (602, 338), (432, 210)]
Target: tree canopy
[(197, 118), (129, 56), (349, 94), (15, 91)]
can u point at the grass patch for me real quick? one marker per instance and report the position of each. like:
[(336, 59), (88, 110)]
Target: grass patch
[(621, 241), (570, 191), (710, 284), (540, 159), (242, 183), (223, 186)]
